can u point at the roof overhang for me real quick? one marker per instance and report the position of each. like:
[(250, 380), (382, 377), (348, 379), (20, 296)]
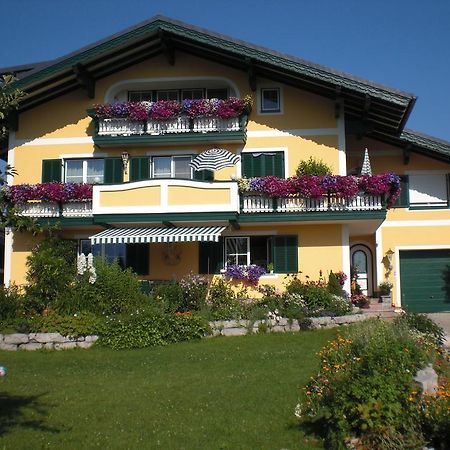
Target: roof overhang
[(384, 109)]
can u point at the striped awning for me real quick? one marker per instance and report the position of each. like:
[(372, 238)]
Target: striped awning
[(159, 234)]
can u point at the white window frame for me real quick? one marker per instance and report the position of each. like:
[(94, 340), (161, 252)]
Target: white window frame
[(414, 193), (235, 238), (172, 165), (259, 100), (84, 169)]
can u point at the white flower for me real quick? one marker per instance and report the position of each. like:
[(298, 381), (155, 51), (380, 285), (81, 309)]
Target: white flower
[(81, 264), (92, 275), (298, 411)]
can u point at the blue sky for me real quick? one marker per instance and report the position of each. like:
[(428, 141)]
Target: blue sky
[(402, 44)]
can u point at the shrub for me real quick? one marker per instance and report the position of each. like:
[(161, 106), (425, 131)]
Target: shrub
[(11, 302), (51, 269), (365, 387), (195, 288), (170, 296), (222, 302), (435, 416), (423, 325), (313, 166), (74, 325), (115, 291), (146, 328), (334, 287)]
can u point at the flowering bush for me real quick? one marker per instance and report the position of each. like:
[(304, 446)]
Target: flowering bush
[(314, 186), (365, 387), (49, 192), (251, 273), (169, 109), (342, 277)]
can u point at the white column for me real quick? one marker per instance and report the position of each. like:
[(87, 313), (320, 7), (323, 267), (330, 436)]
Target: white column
[(345, 244), (341, 142)]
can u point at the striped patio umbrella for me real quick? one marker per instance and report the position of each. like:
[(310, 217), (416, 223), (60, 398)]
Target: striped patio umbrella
[(366, 168), (214, 159)]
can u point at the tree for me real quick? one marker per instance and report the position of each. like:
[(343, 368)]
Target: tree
[(9, 101)]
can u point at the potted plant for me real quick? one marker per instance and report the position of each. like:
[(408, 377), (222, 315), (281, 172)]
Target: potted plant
[(385, 288)]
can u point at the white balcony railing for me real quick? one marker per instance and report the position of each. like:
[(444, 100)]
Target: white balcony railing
[(178, 125), (120, 127), (252, 203), (182, 124), (206, 124), (50, 209)]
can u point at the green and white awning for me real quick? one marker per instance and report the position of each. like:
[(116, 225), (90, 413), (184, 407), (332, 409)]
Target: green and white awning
[(159, 234)]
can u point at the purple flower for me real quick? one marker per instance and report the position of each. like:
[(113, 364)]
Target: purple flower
[(251, 273)]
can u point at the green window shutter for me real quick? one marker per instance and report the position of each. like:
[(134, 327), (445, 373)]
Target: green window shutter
[(278, 165), (210, 257), (263, 164), (203, 175), (139, 168), (137, 258), (113, 171), (285, 254), (51, 170), (403, 200), (247, 165)]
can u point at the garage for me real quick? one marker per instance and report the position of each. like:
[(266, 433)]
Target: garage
[(425, 280)]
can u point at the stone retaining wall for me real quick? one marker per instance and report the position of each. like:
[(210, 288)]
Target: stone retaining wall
[(55, 341), (49, 341), (242, 327)]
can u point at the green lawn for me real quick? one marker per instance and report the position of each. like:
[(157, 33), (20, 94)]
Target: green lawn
[(220, 393)]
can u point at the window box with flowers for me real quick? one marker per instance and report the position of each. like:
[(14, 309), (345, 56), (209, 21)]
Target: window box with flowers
[(250, 274), (319, 193), (50, 199), (170, 116)]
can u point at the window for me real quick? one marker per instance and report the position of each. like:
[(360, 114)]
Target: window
[(192, 94), (167, 95), (263, 164), (140, 96), (221, 94), (428, 190), (270, 100), (134, 256), (243, 251), (85, 171), (281, 251), (172, 167)]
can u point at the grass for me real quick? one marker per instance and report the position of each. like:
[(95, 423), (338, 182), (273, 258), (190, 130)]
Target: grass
[(221, 393)]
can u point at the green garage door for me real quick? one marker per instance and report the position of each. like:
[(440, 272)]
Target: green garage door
[(425, 280)]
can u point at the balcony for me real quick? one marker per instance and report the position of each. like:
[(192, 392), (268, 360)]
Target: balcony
[(41, 209), (170, 122), (254, 203)]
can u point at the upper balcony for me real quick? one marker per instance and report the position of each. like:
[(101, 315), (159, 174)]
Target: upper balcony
[(167, 122)]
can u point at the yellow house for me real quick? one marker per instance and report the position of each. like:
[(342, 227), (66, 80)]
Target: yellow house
[(149, 207)]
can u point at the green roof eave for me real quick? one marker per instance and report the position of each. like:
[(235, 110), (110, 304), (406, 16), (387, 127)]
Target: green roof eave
[(427, 143), (239, 48)]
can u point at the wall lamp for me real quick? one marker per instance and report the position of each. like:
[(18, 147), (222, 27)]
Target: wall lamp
[(125, 157)]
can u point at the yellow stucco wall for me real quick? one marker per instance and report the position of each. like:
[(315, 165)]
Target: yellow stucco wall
[(149, 196), (180, 195)]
